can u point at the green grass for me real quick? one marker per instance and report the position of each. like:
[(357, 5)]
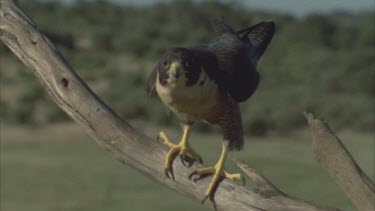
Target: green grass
[(60, 168)]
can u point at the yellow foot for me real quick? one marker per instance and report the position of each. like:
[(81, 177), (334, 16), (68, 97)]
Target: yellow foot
[(219, 174), (183, 149)]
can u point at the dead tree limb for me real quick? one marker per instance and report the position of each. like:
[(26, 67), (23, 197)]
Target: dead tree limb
[(340, 165), (123, 141), (264, 186)]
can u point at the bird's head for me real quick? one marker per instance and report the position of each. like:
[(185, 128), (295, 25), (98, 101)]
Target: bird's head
[(178, 67)]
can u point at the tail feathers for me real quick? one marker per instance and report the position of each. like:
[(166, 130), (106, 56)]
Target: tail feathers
[(260, 35), (231, 124)]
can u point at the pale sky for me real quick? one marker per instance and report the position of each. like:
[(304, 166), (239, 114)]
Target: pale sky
[(301, 7), (295, 7)]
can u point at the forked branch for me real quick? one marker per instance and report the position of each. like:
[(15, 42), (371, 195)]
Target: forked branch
[(124, 142)]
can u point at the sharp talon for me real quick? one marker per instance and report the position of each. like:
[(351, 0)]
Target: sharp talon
[(182, 157), (166, 173), (197, 178), (200, 177), (204, 199), (187, 155), (169, 173), (189, 160), (211, 199), (192, 174)]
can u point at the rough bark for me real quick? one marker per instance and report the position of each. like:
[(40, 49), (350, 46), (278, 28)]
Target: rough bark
[(124, 142), (340, 165)]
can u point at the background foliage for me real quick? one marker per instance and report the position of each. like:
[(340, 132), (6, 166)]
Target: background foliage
[(319, 63)]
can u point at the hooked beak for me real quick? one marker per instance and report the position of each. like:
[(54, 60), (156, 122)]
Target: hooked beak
[(175, 70), (176, 73)]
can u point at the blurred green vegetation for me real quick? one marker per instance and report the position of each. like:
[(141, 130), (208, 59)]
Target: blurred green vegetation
[(318, 63), (57, 167)]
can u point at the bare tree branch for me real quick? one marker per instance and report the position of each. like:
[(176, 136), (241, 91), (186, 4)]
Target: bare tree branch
[(264, 186), (338, 162), (123, 141)]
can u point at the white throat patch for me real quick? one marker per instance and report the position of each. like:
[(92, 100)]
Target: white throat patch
[(190, 103)]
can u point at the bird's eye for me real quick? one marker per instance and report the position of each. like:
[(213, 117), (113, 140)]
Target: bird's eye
[(165, 63)]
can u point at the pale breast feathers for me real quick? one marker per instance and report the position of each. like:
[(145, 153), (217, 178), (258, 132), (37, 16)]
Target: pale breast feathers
[(198, 100)]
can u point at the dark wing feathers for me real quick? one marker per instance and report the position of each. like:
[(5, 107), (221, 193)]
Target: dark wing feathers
[(235, 52), (233, 56), (227, 59), (260, 35), (243, 79), (227, 49), (221, 27), (230, 68)]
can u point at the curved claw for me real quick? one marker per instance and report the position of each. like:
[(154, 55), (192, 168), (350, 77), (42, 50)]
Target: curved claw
[(182, 158), (196, 157), (211, 199), (169, 173), (187, 159), (192, 174), (204, 199), (169, 164), (166, 172), (199, 177), (187, 155)]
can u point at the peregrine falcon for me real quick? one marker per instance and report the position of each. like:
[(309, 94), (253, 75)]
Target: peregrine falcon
[(206, 82)]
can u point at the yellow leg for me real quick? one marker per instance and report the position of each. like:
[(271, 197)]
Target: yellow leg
[(218, 173), (183, 149)]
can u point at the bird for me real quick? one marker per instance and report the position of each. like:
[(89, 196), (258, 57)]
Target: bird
[(206, 83)]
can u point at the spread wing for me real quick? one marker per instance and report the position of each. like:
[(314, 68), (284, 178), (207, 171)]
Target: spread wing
[(260, 35), (240, 76), (220, 26)]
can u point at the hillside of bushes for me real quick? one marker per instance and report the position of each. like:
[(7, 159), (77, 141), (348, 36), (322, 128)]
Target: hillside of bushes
[(319, 63)]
